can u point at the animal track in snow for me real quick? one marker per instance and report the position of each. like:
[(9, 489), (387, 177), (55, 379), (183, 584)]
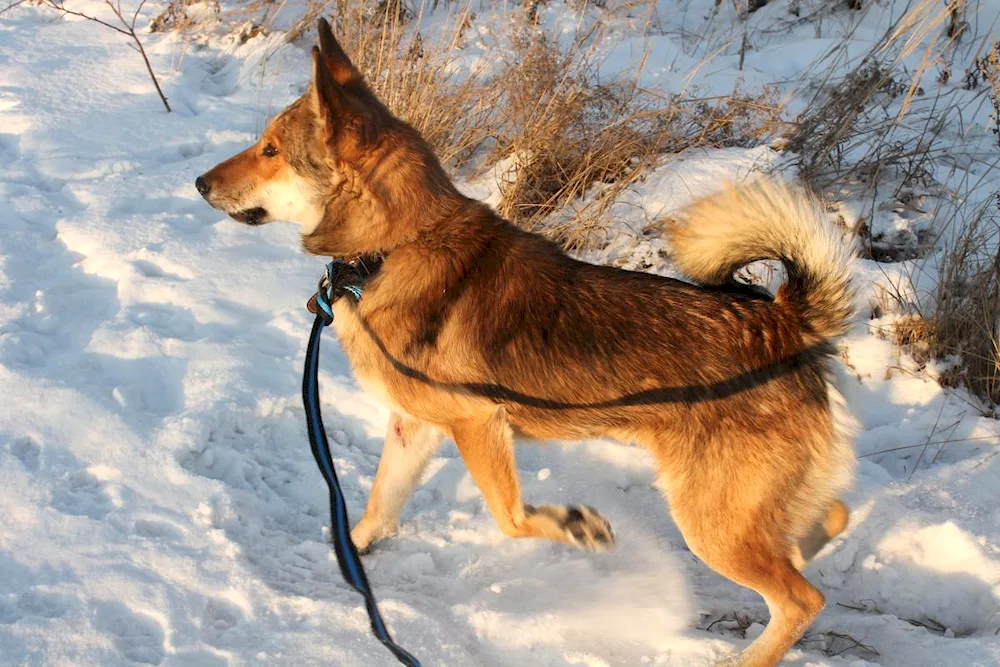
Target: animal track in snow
[(188, 151), (158, 529), (8, 144), (167, 320), (47, 604), (223, 77), (28, 451), (152, 270), (37, 602), (137, 636), (82, 494), (22, 348), (220, 616)]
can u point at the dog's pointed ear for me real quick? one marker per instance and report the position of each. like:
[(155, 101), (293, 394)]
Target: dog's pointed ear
[(341, 68), (344, 119), (329, 99)]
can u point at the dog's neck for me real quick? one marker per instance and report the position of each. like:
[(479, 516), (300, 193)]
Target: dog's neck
[(371, 213)]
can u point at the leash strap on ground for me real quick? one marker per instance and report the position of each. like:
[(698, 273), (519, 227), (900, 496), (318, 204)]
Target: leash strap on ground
[(347, 553)]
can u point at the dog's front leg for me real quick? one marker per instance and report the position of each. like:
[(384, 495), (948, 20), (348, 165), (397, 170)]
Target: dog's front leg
[(487, 447), (409, 446)]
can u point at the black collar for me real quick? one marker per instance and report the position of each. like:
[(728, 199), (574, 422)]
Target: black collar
[(367, 265)]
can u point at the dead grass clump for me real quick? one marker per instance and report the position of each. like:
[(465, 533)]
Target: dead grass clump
[(863, 127), (880, 132), (965, 321), (177, 17), (575, 142), (966, 317), (988, 70), (832, 119), (914, 334), (563, 130)]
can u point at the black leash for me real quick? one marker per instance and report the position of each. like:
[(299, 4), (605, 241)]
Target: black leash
[(341, 278)]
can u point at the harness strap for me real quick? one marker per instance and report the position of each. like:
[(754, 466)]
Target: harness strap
[(347, 553)]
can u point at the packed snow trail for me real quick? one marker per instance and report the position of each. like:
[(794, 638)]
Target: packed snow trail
[(160, 503)]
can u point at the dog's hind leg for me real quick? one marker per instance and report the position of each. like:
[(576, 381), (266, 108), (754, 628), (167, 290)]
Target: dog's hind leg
[(487, 447), (823, 531), (409, 446), (738, 531)]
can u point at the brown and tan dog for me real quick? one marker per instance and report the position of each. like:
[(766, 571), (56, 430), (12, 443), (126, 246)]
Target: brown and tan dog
[(474, 329)]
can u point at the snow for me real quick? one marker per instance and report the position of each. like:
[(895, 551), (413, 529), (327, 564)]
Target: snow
[(160, 502)]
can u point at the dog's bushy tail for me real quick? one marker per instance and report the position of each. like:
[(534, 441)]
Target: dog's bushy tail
[(767, 219)]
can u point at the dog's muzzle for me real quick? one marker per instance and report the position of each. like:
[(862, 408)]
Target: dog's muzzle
[(250, 216)]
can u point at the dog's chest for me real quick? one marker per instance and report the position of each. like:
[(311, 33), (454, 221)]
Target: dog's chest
[(371, 365)]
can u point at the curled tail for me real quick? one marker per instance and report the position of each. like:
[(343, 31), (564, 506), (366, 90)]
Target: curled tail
[(767, 219)]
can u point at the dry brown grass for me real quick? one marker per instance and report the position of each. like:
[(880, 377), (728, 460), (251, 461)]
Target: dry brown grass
[(579, 143), (965, 317), (988, 71), (879, 131), (966, 312), (861, 127), (175, 16)]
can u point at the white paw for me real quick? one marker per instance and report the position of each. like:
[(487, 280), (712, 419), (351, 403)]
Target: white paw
[(368, 532)]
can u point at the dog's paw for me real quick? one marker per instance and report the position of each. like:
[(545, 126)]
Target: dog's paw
[(366, 533), (579, 525)]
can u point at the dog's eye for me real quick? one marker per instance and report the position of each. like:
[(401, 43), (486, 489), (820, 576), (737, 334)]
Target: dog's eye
[(270, 150)]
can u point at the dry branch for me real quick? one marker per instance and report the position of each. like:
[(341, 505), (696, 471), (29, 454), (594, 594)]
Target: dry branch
[(127, 28)]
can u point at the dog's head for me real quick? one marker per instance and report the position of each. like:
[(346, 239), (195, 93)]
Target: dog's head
[(335, 161)]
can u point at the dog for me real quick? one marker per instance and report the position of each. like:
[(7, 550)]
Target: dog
[(477, 330)]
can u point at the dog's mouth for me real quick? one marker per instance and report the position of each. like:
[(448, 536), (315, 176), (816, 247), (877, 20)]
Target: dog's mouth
[(250, 216)]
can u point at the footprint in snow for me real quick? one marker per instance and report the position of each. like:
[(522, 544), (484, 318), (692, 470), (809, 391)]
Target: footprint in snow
[(8, 144), (158, 530), (210, 78), (137, 636), (10, 613), (191, 150), (45, 604), (223, 77), (35, 602), (219, 617), (27, 451), (197, 658), (166, 320), (153, 270), (22, 348), (82, 494)]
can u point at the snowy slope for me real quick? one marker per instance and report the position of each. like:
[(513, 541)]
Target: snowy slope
[(159, 502)]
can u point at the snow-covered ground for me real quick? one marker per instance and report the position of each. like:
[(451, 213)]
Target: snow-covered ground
[(158, 500)]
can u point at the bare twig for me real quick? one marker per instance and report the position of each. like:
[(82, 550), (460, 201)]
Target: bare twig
[(930, 437), (925, 444), (12, 5), (127, 28), (866, 605)]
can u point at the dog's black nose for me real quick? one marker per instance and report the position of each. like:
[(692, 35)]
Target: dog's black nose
[(202, 186)]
